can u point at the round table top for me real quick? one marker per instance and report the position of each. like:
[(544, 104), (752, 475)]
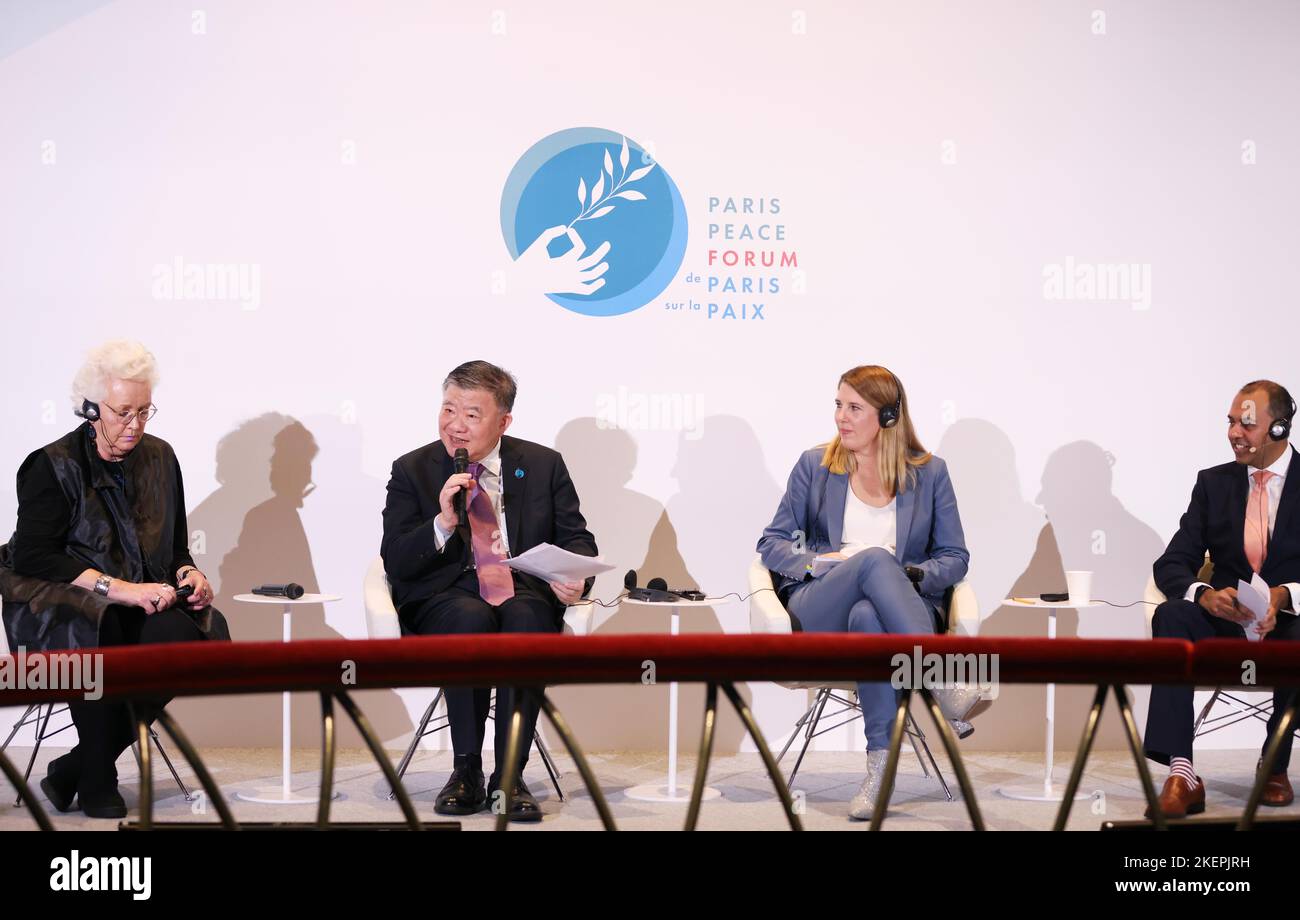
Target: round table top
[(305, 599), (680, 603), (1049, 605)]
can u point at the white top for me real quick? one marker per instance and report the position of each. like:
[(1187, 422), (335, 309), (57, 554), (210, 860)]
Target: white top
[(865, 526)]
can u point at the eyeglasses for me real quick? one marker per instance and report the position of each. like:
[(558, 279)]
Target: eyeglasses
[(127, 418)]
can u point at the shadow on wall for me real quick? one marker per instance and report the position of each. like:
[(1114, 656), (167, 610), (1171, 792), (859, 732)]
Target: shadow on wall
[(252, 528), (1088, 528), (635, 531)]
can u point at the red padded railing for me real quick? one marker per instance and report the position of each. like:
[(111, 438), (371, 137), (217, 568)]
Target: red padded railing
[(334, 667), (206, 668)]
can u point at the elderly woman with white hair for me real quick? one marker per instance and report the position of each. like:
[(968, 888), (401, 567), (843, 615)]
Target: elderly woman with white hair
[(99, 555)]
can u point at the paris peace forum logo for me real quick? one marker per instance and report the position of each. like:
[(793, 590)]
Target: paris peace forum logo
[(592, 221)]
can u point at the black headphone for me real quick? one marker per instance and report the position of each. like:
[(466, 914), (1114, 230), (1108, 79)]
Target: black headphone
[(1280, 430), (889, 415), (89, 411)]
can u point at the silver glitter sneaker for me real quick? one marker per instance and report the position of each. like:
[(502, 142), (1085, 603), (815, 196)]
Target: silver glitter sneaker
[(864, 803)]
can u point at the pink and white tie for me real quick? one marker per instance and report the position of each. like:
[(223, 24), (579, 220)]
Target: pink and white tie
[(495, 584), (1257, 520)]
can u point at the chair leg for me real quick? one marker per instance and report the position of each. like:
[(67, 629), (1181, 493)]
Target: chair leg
[(803, 719), (916, 734), (157, 742), (913, 732), (415, 741), (43, 721), (17, 725), (1205, 711), (822, 696), (551, 770)]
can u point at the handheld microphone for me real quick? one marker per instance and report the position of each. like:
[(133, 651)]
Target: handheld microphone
[(458, 500), (290, 591)]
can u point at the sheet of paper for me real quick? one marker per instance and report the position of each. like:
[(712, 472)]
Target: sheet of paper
[(822, 565), (550, 563), (1253, 595)]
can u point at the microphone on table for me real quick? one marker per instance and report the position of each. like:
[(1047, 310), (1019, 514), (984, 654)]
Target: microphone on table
[(458, 500), (290, 591), (656, 591)]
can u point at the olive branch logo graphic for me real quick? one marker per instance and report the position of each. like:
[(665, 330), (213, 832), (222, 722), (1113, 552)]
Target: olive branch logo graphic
[(595, 205)]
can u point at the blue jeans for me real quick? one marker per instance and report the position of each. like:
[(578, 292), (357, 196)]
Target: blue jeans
[(867, 593)]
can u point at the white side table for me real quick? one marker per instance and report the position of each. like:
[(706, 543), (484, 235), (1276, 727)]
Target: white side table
[(286, 797), (1047, 791), (668, 791)]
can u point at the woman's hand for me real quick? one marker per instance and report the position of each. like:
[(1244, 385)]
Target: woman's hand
[(148, 596), (202, 595)]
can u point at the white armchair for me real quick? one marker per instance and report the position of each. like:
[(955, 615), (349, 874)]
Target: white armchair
[(767, 615), (382, 623)]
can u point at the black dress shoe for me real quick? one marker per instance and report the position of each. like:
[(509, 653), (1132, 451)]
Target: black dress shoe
[(464, 793), (105, 803), (523, 806), (59, 796)]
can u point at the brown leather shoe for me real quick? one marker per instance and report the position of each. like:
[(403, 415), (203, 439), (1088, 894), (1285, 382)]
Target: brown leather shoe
[(1179, 798), (1277, 791)]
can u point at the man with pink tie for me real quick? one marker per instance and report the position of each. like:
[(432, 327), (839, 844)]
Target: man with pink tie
[(448, 574), (1246, 515)]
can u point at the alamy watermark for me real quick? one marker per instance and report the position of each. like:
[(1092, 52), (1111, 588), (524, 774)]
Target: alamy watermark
[(632, 411), (934, 671), (1115, 282), (53, 671), (209, 282)]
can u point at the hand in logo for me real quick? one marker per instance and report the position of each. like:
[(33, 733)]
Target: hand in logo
[(537, 272)]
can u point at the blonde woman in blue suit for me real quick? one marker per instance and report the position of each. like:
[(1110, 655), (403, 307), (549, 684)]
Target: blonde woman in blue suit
[(883, 508)]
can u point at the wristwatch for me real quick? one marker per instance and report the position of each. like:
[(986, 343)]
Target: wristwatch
[(185, 571), (101, 585)]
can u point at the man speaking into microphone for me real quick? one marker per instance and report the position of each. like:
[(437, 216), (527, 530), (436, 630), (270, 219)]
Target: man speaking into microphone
[(446, 536)]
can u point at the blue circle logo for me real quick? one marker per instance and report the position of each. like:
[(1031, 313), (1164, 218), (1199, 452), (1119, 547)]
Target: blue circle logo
[(593, 222)]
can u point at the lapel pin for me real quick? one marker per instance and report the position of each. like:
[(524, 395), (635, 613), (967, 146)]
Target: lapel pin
[(519, 474)]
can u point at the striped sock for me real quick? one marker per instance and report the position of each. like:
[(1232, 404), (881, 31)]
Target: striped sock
[(1182, 766)]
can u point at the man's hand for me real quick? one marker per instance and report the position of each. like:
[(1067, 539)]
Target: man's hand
[(457, 481), (1223, 604), (569, 592), (1278, 598)]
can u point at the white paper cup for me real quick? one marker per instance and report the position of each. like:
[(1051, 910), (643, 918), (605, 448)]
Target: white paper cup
[(1079, 584)]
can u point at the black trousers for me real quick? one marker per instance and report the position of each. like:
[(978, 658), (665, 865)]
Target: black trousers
[(460, 610), (1170, 718), (104, 728)]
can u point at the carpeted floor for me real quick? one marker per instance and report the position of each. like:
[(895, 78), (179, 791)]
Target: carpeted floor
[(825, 784)]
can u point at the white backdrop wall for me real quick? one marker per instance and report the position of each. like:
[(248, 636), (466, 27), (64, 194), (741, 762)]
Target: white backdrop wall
[(936, 165)]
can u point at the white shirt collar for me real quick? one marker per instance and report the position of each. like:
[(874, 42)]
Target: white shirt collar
[(1280, 465), (492, 462)]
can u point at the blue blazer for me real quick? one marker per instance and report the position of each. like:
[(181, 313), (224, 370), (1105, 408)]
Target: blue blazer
[(929, 527)]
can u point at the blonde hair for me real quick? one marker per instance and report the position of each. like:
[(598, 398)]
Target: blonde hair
[(117, 359), (898, 449)]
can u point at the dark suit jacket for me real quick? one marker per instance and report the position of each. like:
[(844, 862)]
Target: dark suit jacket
[(1215, 522), (540, 506)]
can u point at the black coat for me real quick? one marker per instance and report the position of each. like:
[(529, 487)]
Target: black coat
[(539, 503), (1215, 522), (73, 514)]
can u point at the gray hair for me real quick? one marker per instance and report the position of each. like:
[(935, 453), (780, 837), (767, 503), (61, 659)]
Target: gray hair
[(481, 375), (118, 359)]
